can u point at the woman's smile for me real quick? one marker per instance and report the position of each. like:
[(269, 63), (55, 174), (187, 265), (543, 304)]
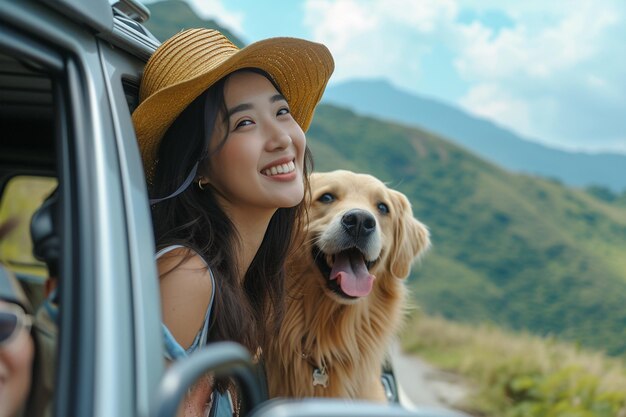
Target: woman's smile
[(284, 171)]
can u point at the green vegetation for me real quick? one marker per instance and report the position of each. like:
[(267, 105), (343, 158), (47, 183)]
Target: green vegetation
[(519, 375), (517, 251), (606, 194)]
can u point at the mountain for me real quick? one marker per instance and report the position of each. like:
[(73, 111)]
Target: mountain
[(379, 98), (517, 251), (169, 17)]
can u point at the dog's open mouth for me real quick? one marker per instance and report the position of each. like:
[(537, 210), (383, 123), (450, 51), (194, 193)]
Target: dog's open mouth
[(349, 274)]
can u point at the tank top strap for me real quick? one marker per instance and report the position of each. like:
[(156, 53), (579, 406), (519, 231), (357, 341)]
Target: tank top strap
[(168, 249), (207, 317)]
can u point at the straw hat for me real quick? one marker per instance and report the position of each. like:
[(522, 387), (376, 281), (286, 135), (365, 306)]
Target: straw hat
[(191, 61)]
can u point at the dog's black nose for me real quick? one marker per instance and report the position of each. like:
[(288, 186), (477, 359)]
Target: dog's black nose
[(358, 223)]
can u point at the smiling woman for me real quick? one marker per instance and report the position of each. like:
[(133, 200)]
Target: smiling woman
[(223, 146)]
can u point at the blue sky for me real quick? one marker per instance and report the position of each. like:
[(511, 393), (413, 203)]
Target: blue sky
[(552, 71)]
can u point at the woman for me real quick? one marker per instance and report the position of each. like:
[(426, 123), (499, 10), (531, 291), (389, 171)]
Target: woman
[(221, 132), (17, 346)]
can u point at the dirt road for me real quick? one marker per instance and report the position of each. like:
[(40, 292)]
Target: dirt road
[(424, 386)]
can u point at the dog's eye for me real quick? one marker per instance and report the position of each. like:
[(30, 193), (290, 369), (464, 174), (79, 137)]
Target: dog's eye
[(383, 208), (326, 198)]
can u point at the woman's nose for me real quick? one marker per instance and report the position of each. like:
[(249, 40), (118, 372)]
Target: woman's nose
[(278, 137)]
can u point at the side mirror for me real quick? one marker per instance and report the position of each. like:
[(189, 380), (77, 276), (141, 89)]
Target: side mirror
[(221, 359)]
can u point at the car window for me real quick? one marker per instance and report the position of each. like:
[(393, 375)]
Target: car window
[(21, 196)]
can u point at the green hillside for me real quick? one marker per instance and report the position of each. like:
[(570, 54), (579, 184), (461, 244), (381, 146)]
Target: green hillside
[(171, 16), (518, 251)]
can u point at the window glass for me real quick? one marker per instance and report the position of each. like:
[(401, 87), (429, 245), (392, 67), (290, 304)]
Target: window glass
[(20, 198)]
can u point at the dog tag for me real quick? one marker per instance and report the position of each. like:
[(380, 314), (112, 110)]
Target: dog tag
[(320, 377)]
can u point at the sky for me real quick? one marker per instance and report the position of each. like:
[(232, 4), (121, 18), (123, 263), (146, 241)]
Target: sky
[(551, 71)]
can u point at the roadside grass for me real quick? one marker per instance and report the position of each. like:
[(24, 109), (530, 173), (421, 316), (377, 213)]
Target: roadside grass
[(519, 374)]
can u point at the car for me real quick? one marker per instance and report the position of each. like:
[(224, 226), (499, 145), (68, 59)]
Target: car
[(69, 79)]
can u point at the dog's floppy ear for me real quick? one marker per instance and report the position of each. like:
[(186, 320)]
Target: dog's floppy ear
[(411, 238)]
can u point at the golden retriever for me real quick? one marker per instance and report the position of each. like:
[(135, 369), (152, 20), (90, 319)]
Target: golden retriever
[(345, 290)]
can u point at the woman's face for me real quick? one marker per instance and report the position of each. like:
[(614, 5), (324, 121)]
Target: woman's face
[(260, 166), (16, 361)]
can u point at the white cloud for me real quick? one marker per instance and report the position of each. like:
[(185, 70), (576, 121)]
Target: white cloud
[(215, 9), (340, 23), (536, 52), (556, 74), (377, 39), (559, 80), (489, 101)]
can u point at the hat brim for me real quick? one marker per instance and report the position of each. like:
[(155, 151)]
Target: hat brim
[(300, 68)]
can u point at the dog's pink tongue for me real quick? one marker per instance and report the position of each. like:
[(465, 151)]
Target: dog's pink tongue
[(350, 271)]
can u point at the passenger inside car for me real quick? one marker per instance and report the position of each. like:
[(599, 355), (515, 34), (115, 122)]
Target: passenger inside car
[(17, 347), (46, 242), (46, 248)]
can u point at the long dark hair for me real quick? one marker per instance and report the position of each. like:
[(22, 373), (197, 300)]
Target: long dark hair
[(247, 313)]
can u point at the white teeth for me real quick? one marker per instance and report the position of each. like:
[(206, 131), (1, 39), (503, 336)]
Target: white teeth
[(280, 169)]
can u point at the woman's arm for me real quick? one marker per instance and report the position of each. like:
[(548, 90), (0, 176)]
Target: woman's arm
[(186, 289)]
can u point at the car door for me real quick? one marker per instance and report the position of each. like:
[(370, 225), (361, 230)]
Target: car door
[(109, 356)]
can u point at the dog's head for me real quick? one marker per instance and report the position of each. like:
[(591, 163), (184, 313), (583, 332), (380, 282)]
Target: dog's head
[(360, 231)]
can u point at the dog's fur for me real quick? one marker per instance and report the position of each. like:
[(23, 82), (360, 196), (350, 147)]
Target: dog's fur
[(323, 326)]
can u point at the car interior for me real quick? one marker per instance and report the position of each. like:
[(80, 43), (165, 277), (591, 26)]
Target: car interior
[(27, 154)]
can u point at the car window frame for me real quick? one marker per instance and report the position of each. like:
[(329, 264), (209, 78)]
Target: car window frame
[(97, 347)]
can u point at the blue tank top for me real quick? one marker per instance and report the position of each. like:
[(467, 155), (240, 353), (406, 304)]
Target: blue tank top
[(222, 404)]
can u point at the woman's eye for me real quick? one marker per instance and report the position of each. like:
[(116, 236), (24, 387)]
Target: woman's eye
[(283, 111), (383, 208), (243, 123), (326, 198)]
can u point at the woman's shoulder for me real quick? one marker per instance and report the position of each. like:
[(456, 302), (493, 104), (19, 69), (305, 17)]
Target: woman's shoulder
[(182, 262), (186, 290)]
